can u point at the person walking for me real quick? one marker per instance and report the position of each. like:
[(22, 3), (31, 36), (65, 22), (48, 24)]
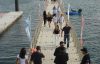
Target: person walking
[(86, 57), (37, 56), (44, 17), (61, 57), (66, 31), (22, 57), (55, 19), (61, 21), (55, 11), (49, 17), (58, 11)]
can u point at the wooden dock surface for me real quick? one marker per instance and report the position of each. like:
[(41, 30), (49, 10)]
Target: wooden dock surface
[(47, 42)]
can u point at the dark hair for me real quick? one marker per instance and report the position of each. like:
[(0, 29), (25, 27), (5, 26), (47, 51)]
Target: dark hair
[(44, 12), (22, 53), (61, 42), (38, 48), (84, 50)]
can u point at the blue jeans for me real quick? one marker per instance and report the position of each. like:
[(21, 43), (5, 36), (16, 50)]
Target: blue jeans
[(67, 36)]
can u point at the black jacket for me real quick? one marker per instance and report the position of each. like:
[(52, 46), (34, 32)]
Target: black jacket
[(86, 59), (36, 57), (61, 57)]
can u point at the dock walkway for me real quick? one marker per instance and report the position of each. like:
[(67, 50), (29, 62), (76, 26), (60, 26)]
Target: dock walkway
[(47, 42)]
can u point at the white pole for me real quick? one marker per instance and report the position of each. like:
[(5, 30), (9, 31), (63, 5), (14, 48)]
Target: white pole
[(68, 11)]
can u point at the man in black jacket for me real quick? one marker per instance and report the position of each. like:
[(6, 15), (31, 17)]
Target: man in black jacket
[(37, 56), (66, 29), (61, 57), (86, 57)]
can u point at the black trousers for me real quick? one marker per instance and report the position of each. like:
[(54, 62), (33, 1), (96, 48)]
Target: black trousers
[(67, 36)]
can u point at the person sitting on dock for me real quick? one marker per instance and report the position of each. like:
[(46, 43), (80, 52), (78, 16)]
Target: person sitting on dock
[(22, 57), (86, 57), (66, 30), (37, 56), (61, 57)]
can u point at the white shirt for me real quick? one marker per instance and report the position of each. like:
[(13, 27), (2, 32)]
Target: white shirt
[(22, 61), (61, 19), (55, 11), (54, 19), (59, 10)]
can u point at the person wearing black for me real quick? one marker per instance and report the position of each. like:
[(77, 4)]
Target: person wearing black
[(61, 57), (37, 56), (66, 30), (44, 17), (86, 57)]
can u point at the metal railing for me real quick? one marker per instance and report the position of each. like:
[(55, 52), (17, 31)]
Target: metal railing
[(36, 32)]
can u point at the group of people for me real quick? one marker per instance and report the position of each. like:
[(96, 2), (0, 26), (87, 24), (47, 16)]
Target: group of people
[(36, 57), (56, 17), (61, 56)]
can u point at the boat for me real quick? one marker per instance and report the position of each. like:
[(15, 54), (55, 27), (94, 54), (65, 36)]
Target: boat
[(74, 12)]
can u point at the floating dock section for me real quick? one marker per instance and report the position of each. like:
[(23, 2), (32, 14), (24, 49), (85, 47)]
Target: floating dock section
[(7, 19)]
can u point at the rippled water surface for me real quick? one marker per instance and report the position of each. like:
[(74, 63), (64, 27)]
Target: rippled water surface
[(91, 12), (15, 38)]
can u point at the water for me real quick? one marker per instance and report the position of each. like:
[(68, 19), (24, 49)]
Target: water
[(15, 37), (91, 12)]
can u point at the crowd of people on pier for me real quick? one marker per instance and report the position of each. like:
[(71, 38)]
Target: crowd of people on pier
[(61, 56)]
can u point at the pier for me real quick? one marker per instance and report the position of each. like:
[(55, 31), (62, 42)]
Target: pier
[(46, 39)]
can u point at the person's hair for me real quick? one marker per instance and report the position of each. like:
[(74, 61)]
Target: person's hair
[(66, 24), (84, 50), (38, 48), (22, 53), (56, 27), (61, 14), (61, 42), (49, 14), (44, 12)]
